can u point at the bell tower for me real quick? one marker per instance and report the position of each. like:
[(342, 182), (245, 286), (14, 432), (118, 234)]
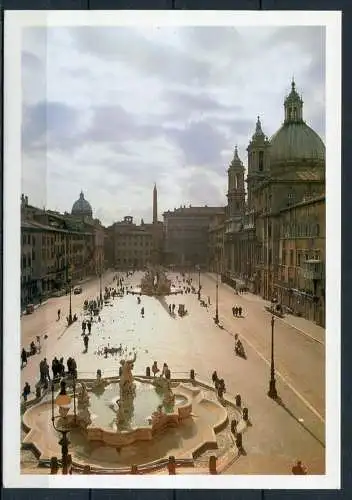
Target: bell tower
[(293, 106), (236, 191), (258, 159)]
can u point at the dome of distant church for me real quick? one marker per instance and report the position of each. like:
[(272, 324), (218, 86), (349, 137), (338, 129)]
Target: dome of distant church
[(295, 140), (82, 207)]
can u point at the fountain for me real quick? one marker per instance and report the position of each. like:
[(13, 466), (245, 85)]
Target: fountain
[(144, 419), (155, 282), (140, 412)]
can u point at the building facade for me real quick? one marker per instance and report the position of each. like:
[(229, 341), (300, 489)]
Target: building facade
[(132, 245), (56, 250), (187, 235), (301, 281), (216, 256), (283, 172)]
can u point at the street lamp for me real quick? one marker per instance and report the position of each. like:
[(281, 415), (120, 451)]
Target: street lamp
[(216, 319), (272, 393), (198, 282), (63, 401), (100, 281), (70, 311)]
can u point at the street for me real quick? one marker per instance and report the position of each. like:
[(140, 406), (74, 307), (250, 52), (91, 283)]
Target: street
[(286, 430)]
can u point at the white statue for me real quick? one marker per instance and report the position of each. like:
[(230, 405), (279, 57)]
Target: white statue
[(126, 379)]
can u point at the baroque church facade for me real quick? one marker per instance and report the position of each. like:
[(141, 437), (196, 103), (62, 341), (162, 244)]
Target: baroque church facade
[(273, 243)]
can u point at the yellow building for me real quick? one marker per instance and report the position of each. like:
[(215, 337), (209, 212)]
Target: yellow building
[(301, 278), (56, 249), (133, 245)]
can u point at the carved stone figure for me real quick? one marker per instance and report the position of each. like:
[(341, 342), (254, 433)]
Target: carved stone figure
[(126, 380)]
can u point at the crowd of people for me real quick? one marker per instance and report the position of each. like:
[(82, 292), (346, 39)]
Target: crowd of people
[(237, 311)]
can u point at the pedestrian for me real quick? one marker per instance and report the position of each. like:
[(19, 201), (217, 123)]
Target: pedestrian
[(55, 367), (236, 311), (61, 367), (208, 300), (165, 369), (86, 342), (155, 368), (58, 314), (173, 308), (42, 371), (299, 469), (240, 311), (26, 391), (214, 377), (69, 365), (39, 347), (74, 367), (89, 324), (83, 327), (23, 357)]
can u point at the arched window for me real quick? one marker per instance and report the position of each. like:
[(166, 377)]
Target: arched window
[(261, 161)]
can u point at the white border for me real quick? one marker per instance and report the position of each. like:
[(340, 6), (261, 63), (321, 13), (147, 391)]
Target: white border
[(14, 22)]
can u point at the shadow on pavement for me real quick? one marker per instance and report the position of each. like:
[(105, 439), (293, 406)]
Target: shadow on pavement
[(165, 306), (281, 403)]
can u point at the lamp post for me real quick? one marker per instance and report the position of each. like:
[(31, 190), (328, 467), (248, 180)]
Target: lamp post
[(216, 319), (198, 282), (100, 281), (63, 401), (272, 393), (70, 311)]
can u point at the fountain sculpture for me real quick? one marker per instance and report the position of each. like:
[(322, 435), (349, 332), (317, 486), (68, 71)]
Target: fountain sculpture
[(155, 282)]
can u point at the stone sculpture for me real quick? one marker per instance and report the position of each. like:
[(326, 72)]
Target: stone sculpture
[(127, 387)]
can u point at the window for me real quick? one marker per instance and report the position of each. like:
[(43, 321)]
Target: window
[(261, 161), (299, 259), (291, 258), (283, 258)]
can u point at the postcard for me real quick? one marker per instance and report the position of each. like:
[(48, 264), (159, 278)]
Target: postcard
[(172, 249)]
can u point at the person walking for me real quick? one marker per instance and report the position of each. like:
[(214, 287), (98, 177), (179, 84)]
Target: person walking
[(58, 314), (55, 367), (240, 311), (86, 342), (26, 391), (299, 469)]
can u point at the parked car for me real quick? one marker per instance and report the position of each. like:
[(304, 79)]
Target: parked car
[(77, 290)]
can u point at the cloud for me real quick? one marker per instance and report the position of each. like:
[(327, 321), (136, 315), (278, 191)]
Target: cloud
[(113, 110), (49, 125), (199, 142)]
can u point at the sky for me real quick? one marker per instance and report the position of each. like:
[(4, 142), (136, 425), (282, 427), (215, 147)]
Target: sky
[(110, 111)]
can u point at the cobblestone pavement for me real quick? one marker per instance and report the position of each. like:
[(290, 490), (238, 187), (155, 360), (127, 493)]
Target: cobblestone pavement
[(288, 430)]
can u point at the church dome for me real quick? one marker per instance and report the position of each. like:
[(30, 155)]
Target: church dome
[(295, 140), (82, 207)]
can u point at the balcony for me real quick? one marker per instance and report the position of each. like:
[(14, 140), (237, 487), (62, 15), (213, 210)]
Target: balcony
[(313, 270)]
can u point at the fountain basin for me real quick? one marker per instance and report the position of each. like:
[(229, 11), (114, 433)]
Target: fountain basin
[(188, 440), (141, 421)]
